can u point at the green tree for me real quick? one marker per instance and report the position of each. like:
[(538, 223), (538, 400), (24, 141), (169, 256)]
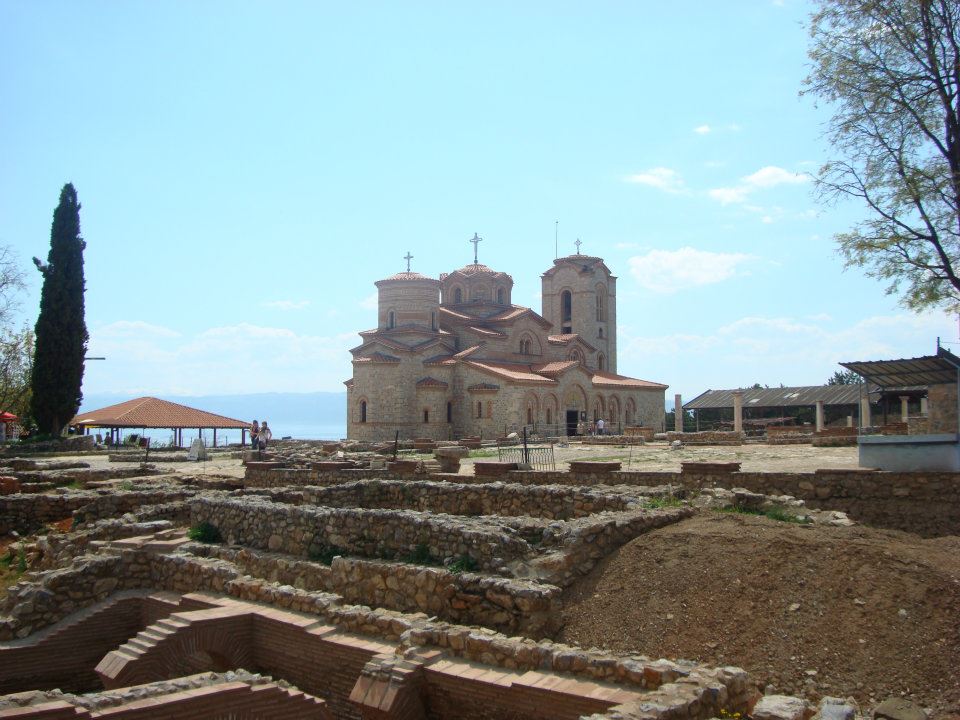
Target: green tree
[(889, 72), (61, 334), (16, 345), (844, 377)]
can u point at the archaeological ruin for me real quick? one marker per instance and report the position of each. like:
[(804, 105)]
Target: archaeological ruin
[(329, 581)]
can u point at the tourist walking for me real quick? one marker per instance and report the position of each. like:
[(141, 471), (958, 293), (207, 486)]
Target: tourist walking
[(263, 437)]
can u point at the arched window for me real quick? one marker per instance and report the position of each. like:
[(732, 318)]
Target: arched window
[(458, 296), (391, 319), (489, 409), (601, 332), (449, 412), (576, 355), (426, 415), (601, 294), (479, 409), (433, 320), (549, 416), (529, 416), (601, 362), (363, 411), (599, 307), (566, 311), (500, 296)]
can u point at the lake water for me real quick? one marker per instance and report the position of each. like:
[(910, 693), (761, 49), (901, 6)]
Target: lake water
[(298, 431)]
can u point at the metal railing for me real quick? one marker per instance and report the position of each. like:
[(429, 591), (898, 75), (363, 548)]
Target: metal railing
[(538, 457)]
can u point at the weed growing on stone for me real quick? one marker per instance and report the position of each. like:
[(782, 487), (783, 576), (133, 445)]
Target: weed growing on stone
[(205, 533), (777, 513), (126, 485), (464, 563), (326, 555), (656, 503), (420, 555)]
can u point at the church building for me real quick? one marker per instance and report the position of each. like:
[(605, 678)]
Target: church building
[(455, 357)]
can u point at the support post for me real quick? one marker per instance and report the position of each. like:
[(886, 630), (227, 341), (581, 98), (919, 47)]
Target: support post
[(924, 406), (819, 415), (738, 411), (904, 407), (865, 419), (677, 413)]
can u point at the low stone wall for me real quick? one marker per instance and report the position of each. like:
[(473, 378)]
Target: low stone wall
[(925, 503), (281, 477), (306, 530), (555, 503), (504, 604), (27, 513), (707, 437), (676, 690)]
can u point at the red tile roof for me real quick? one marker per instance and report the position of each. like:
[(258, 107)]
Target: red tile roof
[(611, 380), (515, 373), (554, 368), (430, 382), (151, 412), (377, 357)]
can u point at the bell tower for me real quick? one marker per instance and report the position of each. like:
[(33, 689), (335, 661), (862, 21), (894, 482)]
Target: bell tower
[(580, 296)]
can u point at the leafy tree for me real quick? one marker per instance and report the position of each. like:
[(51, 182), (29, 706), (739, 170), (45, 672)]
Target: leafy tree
[(889, 71), (844, 377), (16, 345), (61, 334)]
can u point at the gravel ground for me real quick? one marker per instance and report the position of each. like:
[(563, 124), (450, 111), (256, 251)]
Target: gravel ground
[(660, 456), (818, 611)]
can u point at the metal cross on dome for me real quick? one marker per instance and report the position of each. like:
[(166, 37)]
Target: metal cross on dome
[(408, 257), (578, 244), (475, 240)]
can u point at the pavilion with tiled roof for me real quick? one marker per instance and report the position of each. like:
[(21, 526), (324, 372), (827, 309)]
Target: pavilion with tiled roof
[(151, 412)]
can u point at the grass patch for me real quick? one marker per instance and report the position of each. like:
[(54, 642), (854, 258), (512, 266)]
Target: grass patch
[(464, 563), (126, 485), (205, 533), (326, 555), (420, 556), (669, 501), (776, 513), (484, 453)]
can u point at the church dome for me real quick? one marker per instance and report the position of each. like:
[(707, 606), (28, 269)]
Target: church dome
[(407, 276)]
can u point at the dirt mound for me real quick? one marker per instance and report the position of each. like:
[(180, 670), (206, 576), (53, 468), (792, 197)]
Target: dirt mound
[(813, 611)]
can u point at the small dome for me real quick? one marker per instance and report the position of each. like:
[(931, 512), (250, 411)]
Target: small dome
[(407, 277), (478, 269)]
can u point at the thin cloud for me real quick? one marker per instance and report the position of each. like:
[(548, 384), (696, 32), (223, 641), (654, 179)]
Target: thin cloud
[(661, 178), (370, 302), (702, 129), (763, 179), (668, 271)]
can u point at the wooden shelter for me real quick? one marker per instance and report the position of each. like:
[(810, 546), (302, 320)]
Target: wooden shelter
[(151, 412)]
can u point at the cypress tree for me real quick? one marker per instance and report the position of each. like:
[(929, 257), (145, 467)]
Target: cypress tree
[(61, 333)]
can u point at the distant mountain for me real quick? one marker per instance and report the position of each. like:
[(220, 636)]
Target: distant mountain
[(319, 408)]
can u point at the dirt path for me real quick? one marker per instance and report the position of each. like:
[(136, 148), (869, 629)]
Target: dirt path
[(826, 611)]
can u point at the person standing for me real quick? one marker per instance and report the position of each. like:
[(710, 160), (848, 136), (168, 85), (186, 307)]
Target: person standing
[(264, 437), (254, 432), (600, 425)]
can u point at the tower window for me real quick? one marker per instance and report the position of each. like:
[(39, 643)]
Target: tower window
[(433, 320), (479, 409), (500, 296), (363, 411), (449, 412), (601, 332), (566, 311), (426, 415), (601, 362), (391, 319), (458, 296)]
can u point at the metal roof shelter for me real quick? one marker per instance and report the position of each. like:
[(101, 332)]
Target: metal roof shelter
[(151, 412), (778, 397), (944, 367)]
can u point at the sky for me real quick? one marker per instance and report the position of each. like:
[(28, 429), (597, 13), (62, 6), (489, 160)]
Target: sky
[(247, 170)]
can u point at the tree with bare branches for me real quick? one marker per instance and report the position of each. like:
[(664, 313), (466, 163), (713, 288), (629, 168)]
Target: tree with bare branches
[(890, 72), (16, 344)]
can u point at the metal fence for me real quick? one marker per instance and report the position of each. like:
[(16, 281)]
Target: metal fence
[(539, 457)]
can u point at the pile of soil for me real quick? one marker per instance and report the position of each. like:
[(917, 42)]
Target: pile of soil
[(811, 611)]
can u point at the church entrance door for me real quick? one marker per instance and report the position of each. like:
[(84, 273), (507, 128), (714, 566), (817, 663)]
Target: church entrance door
[(572, 417)]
